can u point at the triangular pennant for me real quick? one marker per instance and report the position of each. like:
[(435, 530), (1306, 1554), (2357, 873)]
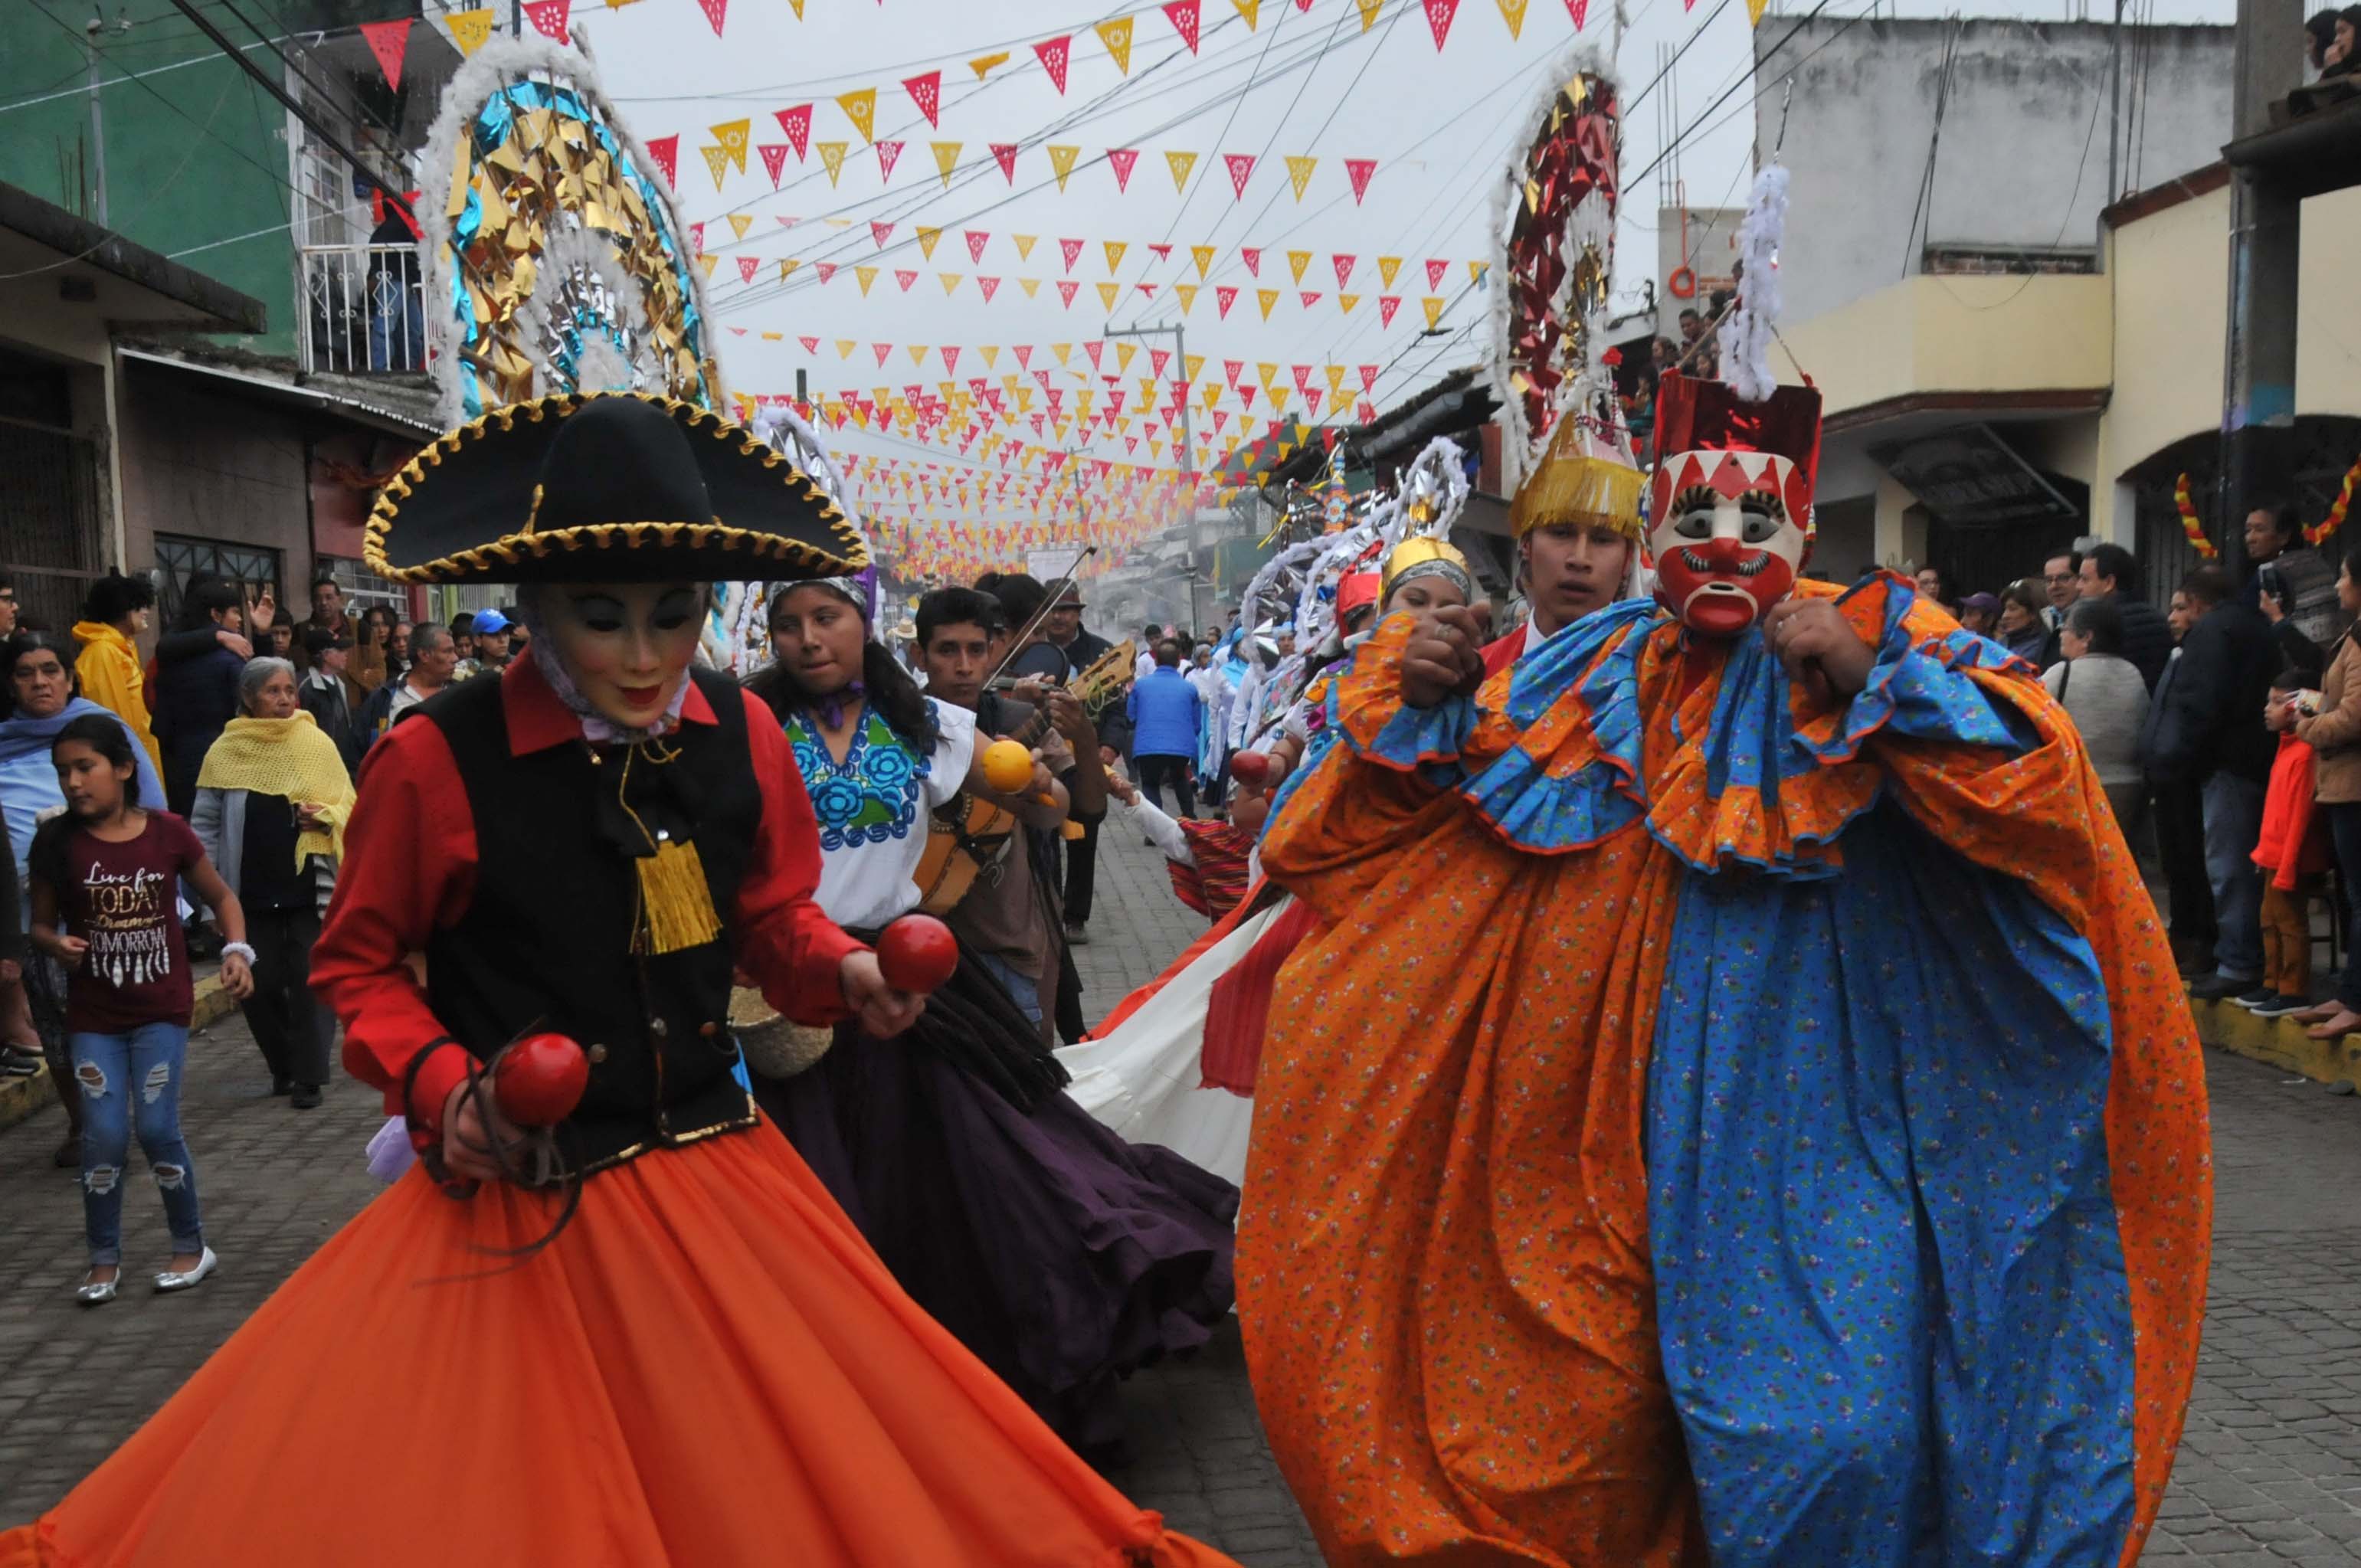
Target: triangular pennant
[(950, 282), (470, 28), (985, 65), (1266, 298), (1071, 248), (1107, 293), (1181, 163), (1344, 265), (904, 277), (665, 150), (831, 158), (1435, 271), (1024, 245), (1346, 301), (1432, 304), (1513, 13), (811, 344), (1054, 53), (1358, 170), (1252, 256), (1115, 249), (1005, 154), (1250, 10), (774, 160), (1577, 9), (927, 92), (1368, 12), (1438, 17), (714, 11), (1067, 289), (880, 232), (1755, 9), (1387, 305), (733, 135), (844, 347), (1121, 159), (1368, 374), (1241, 168), (747, 265), (387, 41), (1310, 297), (1182, 15), (990, 286), (1117, 35), (1032, 286), (1203, 255), (861, 108), (1187, 294), (976, 240), (717, 159), (739, 223), (548, 19), (1298, 171), (946, 159), (928, 239), (1297, 260), (796, 124), (1061, 162), (708, 263), (827, 269), (1387, 266), (1475, 271), (787, 266)]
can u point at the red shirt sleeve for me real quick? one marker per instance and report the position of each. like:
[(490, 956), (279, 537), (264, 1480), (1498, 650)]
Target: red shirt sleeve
[(790, 948), (408, 869)]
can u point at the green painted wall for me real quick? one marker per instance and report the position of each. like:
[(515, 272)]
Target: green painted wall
[(195, 155)]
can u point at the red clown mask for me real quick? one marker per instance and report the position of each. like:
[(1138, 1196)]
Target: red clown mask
[(1730, 501)]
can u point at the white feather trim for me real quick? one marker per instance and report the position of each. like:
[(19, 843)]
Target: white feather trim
[(1746, 336)]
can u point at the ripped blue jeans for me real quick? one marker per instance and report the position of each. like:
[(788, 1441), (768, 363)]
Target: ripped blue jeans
[(131, 1082)]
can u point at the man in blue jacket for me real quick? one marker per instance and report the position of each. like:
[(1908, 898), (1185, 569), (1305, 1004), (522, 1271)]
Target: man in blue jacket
[(1165, 711)]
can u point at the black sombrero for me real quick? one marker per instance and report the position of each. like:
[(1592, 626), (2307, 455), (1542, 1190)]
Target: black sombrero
[(615, 486)]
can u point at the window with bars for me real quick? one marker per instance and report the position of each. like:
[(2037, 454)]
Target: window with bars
[(52, 529), (252, 567)]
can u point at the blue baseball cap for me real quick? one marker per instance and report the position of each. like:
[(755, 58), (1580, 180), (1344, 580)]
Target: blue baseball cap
[(491, 623)]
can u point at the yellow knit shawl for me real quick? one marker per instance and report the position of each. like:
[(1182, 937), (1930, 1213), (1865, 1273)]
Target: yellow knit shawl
[(290, 757)]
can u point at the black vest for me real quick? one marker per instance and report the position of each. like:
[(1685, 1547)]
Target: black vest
[(546, 943)]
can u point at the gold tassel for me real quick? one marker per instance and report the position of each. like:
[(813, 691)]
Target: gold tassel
[(676, 898)]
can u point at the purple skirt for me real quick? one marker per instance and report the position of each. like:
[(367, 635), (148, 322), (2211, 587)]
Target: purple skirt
[(1061, 1256)]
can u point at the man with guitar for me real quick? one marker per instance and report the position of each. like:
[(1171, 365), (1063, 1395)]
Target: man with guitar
[(1009, 917), (1063, 630)]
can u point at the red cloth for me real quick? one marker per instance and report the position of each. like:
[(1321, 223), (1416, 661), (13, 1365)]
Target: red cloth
[(1238, 1014), (1500, 655), (1258, 897), (409, 868), (2289, 820), (1213, 886), (121, 899)]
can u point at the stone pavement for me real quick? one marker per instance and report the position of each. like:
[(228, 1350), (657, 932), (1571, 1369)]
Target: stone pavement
[(2270, 1471)]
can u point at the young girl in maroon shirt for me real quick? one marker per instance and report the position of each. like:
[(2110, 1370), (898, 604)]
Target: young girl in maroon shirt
[(103, 877)]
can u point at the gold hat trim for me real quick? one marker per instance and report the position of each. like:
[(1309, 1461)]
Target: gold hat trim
[(528, 543), (1578, 487), (1413, 553)]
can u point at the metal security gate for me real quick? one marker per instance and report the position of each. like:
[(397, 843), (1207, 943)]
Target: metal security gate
[(52, 539)]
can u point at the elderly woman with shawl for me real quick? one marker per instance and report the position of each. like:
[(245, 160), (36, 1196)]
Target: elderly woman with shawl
[(43, 697), (272, 801)]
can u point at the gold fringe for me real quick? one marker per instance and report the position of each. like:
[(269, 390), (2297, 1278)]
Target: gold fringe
[(1597, 492), (677, 899)]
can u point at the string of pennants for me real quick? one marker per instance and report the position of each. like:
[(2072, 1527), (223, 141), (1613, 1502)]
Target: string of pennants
[(1225, 295)]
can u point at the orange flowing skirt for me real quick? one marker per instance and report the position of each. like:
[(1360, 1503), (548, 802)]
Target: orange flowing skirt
[(710, 1365)]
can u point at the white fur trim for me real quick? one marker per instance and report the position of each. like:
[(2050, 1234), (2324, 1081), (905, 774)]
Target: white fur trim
[(1746, 336)]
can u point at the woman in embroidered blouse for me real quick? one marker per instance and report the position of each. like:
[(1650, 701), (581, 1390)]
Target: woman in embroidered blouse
[(1063, 1257)]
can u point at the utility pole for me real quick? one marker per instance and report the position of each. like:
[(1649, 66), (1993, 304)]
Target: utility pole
[(90, 31), (1180, 357), (2115, 112), (2265, 232)]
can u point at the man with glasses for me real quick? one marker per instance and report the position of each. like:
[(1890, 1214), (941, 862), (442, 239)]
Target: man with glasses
[(2062, 575)]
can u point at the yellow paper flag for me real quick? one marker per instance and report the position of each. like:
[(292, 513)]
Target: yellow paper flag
[(1193, 365), (1203, 255), (983, 65), (1181, 163), (1187, 294), (865, 276), (927, 240), (1031, 286), (470, 29), (1267, 298), (1368, 12), (950, 280), (1268, 373), (1755, 9), (1115, 249), (707, 262), (861, 108), (787, 266), (1125, 353), (1061, 350), (1336, 379), (1348, 301), (733, 138), (831, 158), (717, 159), (1108, 292), (1432, 304), (1297, 260), (1248, 9), (1513, 13), (1116, 36), (798, 5), (1475, 271), (1298, 171), (1387, 266), (739, 223), (1061, 162), (946, 160), (917, 354), (844, 347), (1025, 246), (991, 352)]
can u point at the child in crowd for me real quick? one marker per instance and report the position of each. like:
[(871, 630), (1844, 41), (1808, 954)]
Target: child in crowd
[(1212, 862), (2293, 851), (103, 880)]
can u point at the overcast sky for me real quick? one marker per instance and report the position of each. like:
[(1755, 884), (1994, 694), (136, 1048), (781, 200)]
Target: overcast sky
[(1306, 82)]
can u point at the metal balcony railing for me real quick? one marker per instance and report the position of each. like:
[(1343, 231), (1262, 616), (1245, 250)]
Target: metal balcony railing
[(364, 309)]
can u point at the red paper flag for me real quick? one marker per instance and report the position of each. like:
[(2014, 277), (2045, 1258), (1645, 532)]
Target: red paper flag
[(746, 266), (1577, 9), (1387, 305), (1309, 298), (1224, 296), (1025, 356), (1241, 167), (1122, 158), (990, 286), (1252, 257), (714, 11), (665, 150), (882, 350), (1054, 53), (1071, 248), (796, 123), (1435, 271), (1163, 252), (1157, 359), (887, 151), (1182, 13), (1368, 377), (880, 232), (1344, 269), (904, 279), (927, 92), (827, 269), (548, 19), (387, 41), (1312, 402), (1066, 288), (1358, 170), (976, 240), (775, 161), (1005, 154), (811, 344), (1438, 16), (1097, 349), (950, 361), (1234, 368), (1302, 377)]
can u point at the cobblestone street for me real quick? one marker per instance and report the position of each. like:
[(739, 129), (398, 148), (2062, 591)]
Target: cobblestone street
[(2270, 1471)]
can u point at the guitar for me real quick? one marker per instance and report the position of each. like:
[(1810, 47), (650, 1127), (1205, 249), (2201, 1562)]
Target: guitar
[(967, 832)]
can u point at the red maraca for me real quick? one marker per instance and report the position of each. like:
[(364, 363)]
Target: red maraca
[(539, 1080), (917, 954), (1251, 768)]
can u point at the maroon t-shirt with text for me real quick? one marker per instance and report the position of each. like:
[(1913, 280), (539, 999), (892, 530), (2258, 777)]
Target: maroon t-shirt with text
[(123, 899)]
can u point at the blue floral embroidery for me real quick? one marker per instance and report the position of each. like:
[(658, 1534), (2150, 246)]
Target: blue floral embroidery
[(872, 794)]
